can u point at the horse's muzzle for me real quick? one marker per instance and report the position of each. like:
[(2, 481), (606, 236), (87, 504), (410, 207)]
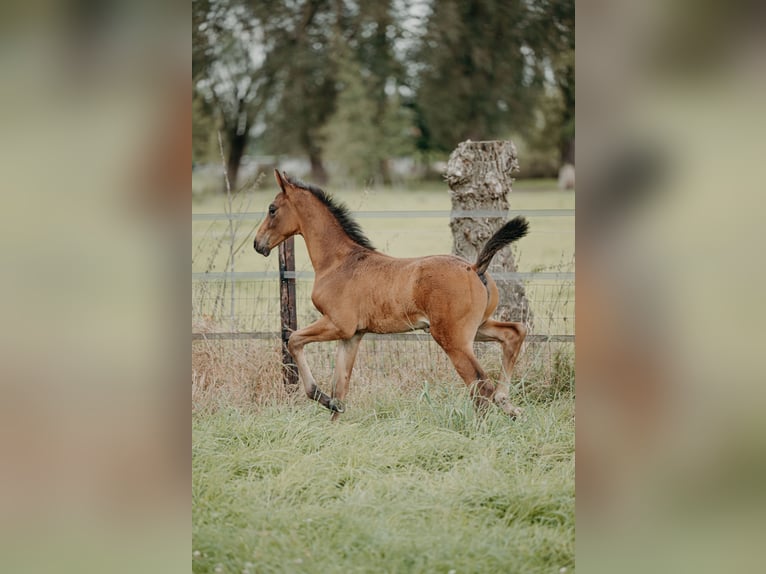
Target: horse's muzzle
[(262, 249)]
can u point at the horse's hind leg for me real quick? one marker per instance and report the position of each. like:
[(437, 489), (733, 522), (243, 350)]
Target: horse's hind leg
[(467, 366), (469, 369), (510, 336), (344, 364)]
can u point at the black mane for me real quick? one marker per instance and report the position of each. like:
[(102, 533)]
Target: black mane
[(339, 211)]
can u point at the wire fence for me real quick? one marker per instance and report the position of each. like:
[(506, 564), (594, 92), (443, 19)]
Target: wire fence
[(244, 304), (256, 304)]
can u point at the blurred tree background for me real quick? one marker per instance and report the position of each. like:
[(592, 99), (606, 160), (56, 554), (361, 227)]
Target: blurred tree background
[(350, 86)]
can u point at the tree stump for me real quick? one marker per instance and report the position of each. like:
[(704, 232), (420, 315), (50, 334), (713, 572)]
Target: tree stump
[(479, 177)]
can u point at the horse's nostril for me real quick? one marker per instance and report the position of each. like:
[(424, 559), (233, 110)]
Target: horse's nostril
[(262, 250)]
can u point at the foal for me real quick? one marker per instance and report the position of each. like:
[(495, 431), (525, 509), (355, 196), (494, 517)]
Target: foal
[(359, 290)]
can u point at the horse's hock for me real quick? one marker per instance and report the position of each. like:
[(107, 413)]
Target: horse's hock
[(479, 177)]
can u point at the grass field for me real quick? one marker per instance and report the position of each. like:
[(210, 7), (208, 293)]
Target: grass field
[(406, 483), (410, 479), (550, 242)]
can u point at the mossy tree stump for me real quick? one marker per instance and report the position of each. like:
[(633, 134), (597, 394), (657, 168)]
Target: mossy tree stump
[(479, 177)]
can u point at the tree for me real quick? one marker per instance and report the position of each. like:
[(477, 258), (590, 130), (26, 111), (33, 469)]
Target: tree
[(229, 73), (371, 33), (552, 23), (479, 75), (479, 177), (316, 44), (491, 67), (204, 141), (363, 132), (201, 48), (274, 76), (302, 75), (351, 133), (285, 100), (203, 115)]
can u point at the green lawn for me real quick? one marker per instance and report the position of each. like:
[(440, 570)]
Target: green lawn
[(405, 483), (551, 239)]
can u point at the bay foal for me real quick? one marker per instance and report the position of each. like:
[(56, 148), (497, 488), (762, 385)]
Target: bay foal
[(359, 290)]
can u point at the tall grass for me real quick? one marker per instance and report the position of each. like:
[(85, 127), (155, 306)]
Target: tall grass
[(410, 479), (411, 483)]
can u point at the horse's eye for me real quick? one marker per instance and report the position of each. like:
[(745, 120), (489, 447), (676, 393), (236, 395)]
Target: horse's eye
[(272, 210)]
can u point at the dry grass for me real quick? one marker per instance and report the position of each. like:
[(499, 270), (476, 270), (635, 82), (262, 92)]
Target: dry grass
[(248, 373), (235, 373)]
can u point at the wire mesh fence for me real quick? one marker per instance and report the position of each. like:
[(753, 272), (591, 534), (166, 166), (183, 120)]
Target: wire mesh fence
[(251, 307), (241, 309)]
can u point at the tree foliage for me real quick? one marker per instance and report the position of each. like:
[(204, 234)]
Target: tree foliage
[(480, 76), (366, 129), (301, 76), (488, 64), (229, 78), (351, 83)]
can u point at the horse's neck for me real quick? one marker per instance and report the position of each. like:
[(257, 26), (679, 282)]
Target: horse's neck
[(326, 241)]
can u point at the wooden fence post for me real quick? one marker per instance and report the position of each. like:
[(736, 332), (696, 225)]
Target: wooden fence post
[(287, 306)]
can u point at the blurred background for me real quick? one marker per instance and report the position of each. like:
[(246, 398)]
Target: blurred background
[(375, 93), (95, 200), (670, 394)]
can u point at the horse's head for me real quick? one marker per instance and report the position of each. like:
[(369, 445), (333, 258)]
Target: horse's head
[(281, 221)]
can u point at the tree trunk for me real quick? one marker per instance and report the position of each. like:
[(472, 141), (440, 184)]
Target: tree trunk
[(237, 143), (479, 177), (567, 139), (385, 171), (567, 151), (318, 172), (237, 134)]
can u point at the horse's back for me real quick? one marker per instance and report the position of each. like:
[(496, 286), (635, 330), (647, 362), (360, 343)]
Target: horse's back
[(383, 294), (441, 287)]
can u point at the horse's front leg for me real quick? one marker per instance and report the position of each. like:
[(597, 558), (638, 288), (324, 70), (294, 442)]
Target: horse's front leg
[(344, 364), (321, 330)]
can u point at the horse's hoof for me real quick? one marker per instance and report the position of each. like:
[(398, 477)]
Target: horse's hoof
[(516, 413), (336, 406), (513, 412)]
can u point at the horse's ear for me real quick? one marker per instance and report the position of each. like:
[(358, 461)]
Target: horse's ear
[(280, 180)]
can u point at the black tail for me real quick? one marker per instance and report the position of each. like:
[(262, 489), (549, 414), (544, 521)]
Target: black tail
[(515, 229)]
